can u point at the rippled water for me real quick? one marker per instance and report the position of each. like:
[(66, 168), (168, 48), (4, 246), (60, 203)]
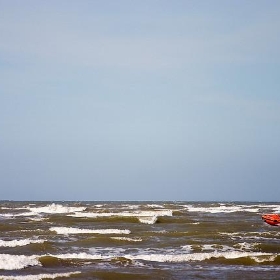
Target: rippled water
[(138, 240)]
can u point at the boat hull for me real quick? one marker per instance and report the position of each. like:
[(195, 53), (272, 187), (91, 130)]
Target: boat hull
[(272, 219)]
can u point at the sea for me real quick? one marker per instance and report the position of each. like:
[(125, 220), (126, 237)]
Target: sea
[(138, 240)]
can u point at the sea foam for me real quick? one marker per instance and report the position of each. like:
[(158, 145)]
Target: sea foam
[(127, 239), (172, 257), (11, 262), (71, 230), (178, 258), (222, 209), (56, 209), (146, 217), (39, 276), (15, 243)]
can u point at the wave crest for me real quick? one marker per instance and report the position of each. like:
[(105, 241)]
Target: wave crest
[(15, 262), (71, 230), (15, 243)]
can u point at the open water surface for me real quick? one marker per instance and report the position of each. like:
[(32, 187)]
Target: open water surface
[(138, 240)]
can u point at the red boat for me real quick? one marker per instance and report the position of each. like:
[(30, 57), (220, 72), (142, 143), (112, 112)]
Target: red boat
[(272, 219)]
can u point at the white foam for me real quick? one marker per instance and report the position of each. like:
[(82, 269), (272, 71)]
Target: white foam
[(12, 208), (10, 215), (37, 219), (148, 220), (129, 206), (71, 230), (222, 209), (208, 247), (32, 230), (276, 208), (15, 243), (172, 257), (127, 239), (178, 258), (155, 206), (10, 262), (187, 248), (123, 214), (98, 205), (219, 247), (252, 235), (244, 246), (147, 217), (56, 209), (39, 276), (81, 256)]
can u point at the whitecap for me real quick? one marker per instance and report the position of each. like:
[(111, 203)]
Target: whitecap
[(81, 256), (148, 220), (147, 217), (123, 214), (56, 209), (127, 239), (37, 219), (155, 206), (39, 276), (187, 248), (178, 258), (16, 243), (172, 258), (222, 209), (10, 215), (11, 262), (71, 230)]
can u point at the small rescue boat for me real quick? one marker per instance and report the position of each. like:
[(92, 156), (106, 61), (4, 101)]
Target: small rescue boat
[(272, 219)]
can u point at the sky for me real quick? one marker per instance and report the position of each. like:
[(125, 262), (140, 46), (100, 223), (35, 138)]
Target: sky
[(140, 100)]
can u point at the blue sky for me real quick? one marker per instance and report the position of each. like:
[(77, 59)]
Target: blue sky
[(140, 100)]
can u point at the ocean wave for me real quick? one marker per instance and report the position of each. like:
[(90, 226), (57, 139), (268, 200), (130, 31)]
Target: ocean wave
[(223, 209), (56, 209), (146, 217), (115, 236), (148, 220), (81, 256), (71, 230), (276, 208), (265, 235), (238, 247), (39, 276), (178, 258), (16, 243), (38, 218), (154, 206), (16, 262), (123, 214), (12, 208), (257, 257), (12, 215), (127, 239)]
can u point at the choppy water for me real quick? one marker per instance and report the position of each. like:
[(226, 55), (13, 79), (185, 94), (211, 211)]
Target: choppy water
[(138, 240)]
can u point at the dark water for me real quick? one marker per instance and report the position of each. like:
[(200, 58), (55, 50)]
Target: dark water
[(138, 240)]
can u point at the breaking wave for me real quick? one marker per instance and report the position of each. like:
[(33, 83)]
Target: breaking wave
[(15, 243), (53, 240), (39, 276), (70, 230), (222, 209), (56, 209), (146, 217), (15, 262), (127, 239)]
